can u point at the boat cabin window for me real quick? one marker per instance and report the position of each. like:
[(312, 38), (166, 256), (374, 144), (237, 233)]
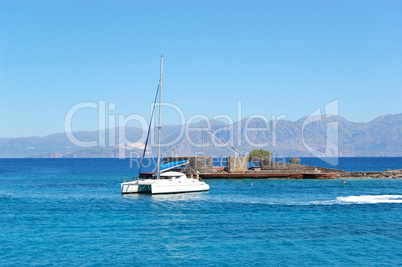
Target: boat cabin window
[(169, 177)]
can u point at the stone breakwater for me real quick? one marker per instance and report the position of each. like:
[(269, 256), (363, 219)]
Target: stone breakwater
[(280, 167), (395, 174), (283, 166)]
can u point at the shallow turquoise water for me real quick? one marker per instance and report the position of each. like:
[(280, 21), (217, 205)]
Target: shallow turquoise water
[(71, 212)]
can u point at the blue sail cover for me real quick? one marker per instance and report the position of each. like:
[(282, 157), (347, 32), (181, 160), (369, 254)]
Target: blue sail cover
[(171, 165)]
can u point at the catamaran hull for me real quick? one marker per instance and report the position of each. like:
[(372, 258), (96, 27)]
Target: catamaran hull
[(133, 188), (170, 189)]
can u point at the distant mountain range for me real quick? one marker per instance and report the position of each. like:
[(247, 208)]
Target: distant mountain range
[(308, 136)]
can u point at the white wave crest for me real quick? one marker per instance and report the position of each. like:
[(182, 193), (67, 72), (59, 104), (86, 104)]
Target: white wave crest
[(371, 199)]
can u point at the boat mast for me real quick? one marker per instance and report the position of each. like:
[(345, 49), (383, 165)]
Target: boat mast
[(203, 142), (160, 113)]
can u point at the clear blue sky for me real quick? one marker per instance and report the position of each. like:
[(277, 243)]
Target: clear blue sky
[(277, 57)]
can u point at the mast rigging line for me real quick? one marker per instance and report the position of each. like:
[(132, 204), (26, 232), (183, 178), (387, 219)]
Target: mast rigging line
[(231, 148), (217, 150), (149, 128), (209, 137), (180, 143)]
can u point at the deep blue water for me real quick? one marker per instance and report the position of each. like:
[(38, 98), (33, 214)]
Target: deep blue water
[(70, 212)]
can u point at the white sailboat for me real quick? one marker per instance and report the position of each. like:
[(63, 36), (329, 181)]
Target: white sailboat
[(165, 181)]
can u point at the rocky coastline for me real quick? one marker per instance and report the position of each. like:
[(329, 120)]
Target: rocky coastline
[(389, 174), (281, 167)]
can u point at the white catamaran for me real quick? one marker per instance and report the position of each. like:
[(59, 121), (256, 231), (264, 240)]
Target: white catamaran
[(164, 181)]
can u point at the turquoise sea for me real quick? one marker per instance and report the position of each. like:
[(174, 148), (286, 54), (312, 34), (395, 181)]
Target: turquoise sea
[(70, 212)]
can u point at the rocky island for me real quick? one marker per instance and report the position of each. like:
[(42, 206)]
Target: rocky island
[(237, 168)]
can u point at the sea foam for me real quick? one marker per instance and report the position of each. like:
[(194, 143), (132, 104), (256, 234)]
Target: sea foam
[(371, 199)]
